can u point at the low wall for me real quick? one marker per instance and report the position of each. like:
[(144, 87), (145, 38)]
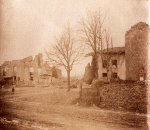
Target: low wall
[(125, 97), (45, 81)]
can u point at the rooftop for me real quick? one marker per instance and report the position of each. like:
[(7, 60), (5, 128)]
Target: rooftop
[(114, 50)]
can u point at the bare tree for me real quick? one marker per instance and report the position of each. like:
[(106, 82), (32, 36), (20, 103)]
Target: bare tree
[(65, 51), (97, 37), (92, 34)]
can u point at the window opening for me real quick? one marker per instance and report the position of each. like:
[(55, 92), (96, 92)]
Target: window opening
[(114, 63), (31, 73), (104, 74), (114, 75)]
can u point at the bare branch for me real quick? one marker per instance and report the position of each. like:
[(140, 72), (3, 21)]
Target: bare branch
[(93, 34), (66, 51)]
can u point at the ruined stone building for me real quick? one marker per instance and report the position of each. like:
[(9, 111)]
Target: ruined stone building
[(129, 62), (27, 70)]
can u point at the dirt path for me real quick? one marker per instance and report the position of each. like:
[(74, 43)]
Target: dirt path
[(31, 110)]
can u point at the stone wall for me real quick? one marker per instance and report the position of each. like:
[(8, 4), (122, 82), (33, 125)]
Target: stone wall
[(115, 96), (136, 52)]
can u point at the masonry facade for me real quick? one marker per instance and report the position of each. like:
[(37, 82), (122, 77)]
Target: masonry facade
[(137, 46)]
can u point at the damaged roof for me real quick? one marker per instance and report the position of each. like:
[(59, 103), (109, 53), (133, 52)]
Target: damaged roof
[(114, 50)]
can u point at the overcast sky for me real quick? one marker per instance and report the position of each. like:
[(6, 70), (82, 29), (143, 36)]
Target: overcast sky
[(27, 26)]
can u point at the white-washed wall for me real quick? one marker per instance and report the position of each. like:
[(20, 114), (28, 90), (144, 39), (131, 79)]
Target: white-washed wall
[(120, 70)]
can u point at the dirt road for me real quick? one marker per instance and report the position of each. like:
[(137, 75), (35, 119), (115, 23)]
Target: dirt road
[(51, 108)]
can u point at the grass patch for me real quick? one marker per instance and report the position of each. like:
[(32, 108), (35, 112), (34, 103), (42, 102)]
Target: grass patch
[(58, 97)]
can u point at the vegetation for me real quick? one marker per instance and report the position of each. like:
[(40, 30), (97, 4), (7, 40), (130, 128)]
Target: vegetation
[(96, 36), (65, 51)]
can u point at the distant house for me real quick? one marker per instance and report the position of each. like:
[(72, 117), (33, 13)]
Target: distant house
[(129, 62)]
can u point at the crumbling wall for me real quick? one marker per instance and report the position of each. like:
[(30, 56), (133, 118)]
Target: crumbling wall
[(27, 59), (37, 64), (88, 74), (28, 70), (15, 68), (5, 68), (136, 52)]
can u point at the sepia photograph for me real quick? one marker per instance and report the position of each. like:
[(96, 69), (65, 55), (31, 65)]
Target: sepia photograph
[(74, 64)]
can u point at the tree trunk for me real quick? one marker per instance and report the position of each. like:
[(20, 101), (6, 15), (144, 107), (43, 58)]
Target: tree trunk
[(96, 67), (68, 78), (96, 71)]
